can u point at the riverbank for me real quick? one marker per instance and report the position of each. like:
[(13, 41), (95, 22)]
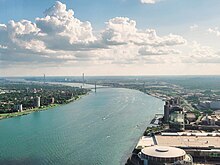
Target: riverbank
[(26, 112), (42, 108), (60, 135)]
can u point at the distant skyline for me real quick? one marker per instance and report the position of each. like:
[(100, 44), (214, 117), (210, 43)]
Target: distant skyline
[(112, 37)]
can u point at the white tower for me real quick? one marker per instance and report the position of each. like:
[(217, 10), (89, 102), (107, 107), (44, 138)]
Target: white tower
[(38, 101)]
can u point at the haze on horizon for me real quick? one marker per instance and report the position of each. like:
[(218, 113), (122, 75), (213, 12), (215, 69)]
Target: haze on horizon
[(112, 37)]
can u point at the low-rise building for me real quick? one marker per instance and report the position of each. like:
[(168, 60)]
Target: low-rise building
[(160, 155)]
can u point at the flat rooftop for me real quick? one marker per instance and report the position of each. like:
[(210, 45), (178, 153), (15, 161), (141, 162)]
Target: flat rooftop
[(189, 141), (163, 152), (145, 141), (182, 141)]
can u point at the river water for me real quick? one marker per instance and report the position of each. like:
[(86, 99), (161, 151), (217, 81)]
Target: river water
[(100, 129)]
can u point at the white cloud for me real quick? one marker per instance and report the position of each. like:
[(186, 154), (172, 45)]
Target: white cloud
[(119, 30), (46, 38), (149, 50), (122, 30), (201, 54), (60, 23), (24, 35), (202, 51), (59, 38), (215, 31), (194, 27), (3, 47), (149, 1)]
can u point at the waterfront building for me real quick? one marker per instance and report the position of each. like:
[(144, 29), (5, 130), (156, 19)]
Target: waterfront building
[(160, 155), (52, 100), (18, 108), (169, 105), (174, 114), (177, 118), (201, 146), (166, 112), (37, 102)]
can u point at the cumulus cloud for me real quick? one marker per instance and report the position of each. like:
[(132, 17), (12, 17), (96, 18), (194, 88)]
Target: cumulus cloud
[(201, 54), (61, 22), (215, 31), (60, 38), (48, 36), (202, 51), (60, 30), (149, 1), (119, 30), (24, 35), (122, 30)]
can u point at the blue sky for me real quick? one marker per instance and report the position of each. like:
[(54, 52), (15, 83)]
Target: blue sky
[(165, 13), (194, 26)]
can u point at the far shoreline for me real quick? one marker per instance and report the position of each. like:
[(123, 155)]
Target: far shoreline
[(42, 108)]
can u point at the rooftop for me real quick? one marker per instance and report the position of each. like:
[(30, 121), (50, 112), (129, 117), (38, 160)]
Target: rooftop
[(163, 152), (189, 141), (194, 140), (145, 141)]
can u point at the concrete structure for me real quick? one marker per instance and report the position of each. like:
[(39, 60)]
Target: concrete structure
[(213, 120), (159, 155), (18, 108), (52, 100), (201, 146), (166, 112), (177, 118), (83, 79), (37, 101), (189, 140), (145, 141), (169, 107)]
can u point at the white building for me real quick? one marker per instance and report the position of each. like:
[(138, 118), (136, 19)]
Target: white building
[(18, 108), (38, 102), (160, 155)]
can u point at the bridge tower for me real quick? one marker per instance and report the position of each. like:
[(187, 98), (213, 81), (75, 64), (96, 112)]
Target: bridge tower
[(44, 79), (83, 79)]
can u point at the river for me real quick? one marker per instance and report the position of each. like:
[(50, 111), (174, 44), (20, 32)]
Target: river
[(100, 129)]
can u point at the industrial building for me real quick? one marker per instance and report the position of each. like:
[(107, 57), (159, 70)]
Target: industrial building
[(215, 105)]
